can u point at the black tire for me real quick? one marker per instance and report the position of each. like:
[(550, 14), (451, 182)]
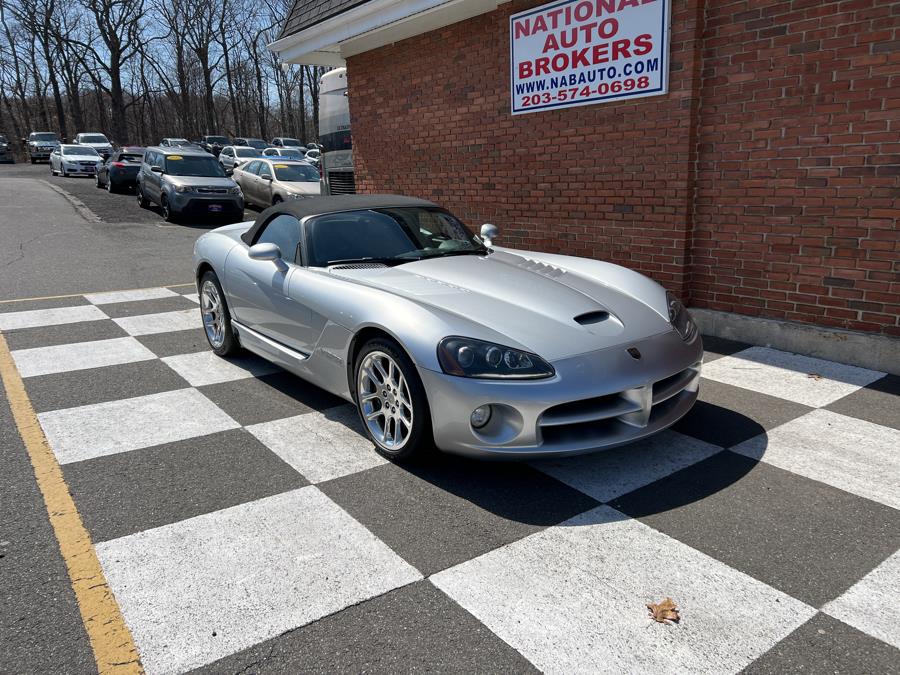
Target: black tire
[(141, 199), (420, 441), (97, 181), (111, 187), (63, 173), (167, 212), (230, 345)]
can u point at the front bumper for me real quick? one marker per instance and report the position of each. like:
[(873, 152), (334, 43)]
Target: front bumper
[(192, 203), (594, 401), (40, 153)]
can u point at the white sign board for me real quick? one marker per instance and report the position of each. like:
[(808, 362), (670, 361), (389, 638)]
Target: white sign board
[(579, 52)]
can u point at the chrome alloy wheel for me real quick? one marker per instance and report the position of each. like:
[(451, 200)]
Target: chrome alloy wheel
[(211, 310), (385, 401)]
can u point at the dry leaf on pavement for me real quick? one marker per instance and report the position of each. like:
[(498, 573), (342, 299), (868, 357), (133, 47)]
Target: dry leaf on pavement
[(664, 612), (814, 376)]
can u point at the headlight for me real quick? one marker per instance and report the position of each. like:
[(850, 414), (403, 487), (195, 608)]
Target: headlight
[(296, 195), (236, 190), (181, 189), (467, 357), (680, 318)]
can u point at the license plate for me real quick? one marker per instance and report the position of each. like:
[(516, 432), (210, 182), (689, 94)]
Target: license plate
[(215, 208)]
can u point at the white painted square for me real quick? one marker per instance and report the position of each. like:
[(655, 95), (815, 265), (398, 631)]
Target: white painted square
[(193, 297), (79, 356), (320, 445), (50, 317), (572, 599), (164, 322), (812, 382), (848, 453), (203, 588), (76, 434), (871, 604), (129, 296), (612, 473), (202, 368)]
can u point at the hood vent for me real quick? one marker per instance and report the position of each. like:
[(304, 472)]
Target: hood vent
[(590, 318), (358, 266), (549, 271)]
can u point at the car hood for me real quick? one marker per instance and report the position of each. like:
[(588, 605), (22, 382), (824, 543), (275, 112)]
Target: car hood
[(81, 158), (545, 309), (201, 181), (311, 188), (97, 146)]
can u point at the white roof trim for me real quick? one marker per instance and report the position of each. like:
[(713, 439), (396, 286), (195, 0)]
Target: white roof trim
[(374, 24)]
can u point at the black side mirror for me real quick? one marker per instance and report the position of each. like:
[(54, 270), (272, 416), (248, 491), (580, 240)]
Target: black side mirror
[(156, 169)]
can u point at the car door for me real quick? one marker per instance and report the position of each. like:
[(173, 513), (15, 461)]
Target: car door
[(154, 179), (264, 186), (258, 290), (54, 160), (249, 180)]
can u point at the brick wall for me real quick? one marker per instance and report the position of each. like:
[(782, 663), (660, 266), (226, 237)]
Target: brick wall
[(798, 178), (763, 183)]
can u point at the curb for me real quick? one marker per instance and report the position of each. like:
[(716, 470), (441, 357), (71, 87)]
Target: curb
[(79, 206)]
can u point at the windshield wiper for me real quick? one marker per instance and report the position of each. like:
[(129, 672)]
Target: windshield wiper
[(350, 261), (447, 254)]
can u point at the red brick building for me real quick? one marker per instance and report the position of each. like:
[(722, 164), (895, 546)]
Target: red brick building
[(765, 182)]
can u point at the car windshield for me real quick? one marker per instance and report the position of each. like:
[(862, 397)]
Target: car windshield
[(94, 138), (191, 165), (131, 157), (290, 152), (296, 173), (257, 143), (76, 150), (245, 152), (179, 141), (217, 140), (390, 236), (44, 137), (312, 153), (290, 141)]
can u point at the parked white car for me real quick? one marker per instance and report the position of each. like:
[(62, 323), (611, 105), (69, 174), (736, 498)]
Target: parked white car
[(97, 141), (286, 152), (68, 160), (235, 155)]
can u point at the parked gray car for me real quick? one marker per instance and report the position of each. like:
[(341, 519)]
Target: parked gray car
[(265, 182), (441, 338), (187, 182)]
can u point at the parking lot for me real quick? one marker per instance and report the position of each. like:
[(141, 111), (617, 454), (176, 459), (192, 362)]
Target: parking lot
[(241, 522)]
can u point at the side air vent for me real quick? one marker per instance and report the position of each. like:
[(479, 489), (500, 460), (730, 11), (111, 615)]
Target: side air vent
[(590, 318), (358, 266)]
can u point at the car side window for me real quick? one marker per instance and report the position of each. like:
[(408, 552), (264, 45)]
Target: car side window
[(284, 232), (227, 152), (253, 167)]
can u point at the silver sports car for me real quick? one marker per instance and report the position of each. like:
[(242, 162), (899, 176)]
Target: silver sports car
[(441, 338)]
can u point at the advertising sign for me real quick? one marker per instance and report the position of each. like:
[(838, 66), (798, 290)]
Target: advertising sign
[(579, 52)]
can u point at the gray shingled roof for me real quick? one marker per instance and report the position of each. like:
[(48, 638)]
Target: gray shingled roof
[(306, 13)]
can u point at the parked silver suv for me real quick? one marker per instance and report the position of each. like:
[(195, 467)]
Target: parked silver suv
[(186, 181)]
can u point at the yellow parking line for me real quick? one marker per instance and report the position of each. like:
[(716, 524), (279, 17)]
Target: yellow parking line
[(77, 295), (114, 649)]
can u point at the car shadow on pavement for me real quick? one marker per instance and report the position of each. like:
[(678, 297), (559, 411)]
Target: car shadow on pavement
[(662, 473)]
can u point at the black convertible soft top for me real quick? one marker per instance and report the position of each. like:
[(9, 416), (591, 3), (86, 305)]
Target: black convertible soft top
[(316, 206)]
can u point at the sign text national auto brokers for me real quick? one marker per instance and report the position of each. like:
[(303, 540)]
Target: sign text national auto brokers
[(578, 52)]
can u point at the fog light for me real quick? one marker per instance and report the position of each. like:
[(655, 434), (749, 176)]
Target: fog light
[(480, 416)]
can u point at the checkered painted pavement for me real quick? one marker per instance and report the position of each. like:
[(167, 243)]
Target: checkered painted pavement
[(244, 523)]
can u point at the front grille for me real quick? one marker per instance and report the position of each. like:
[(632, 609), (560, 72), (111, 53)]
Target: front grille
[(91, 164), (212, 191), (341, 183), (601, 418)]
